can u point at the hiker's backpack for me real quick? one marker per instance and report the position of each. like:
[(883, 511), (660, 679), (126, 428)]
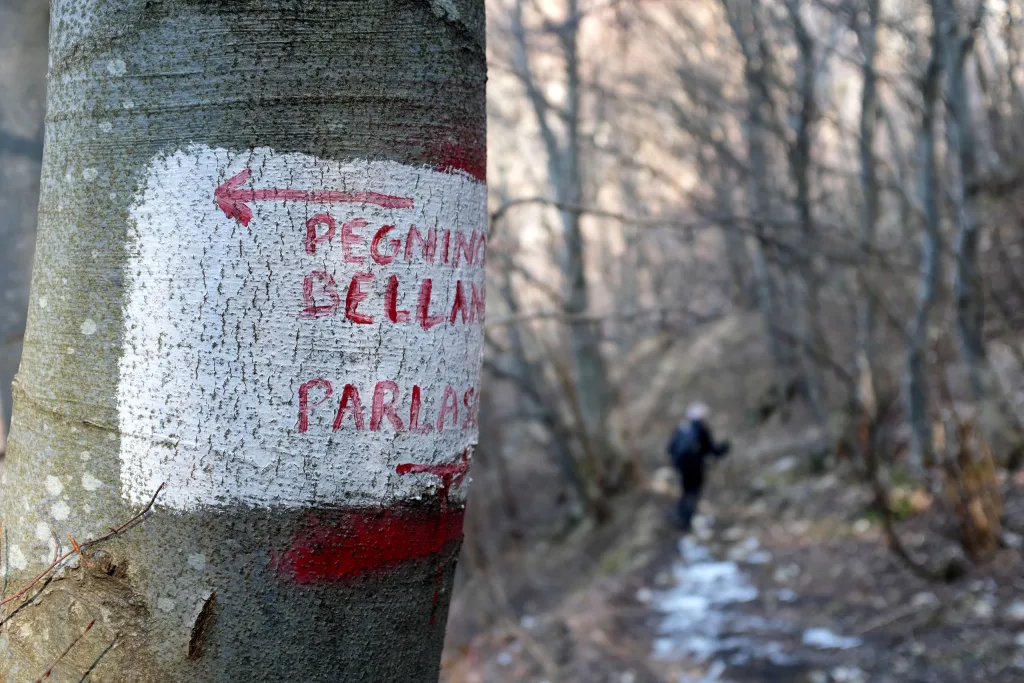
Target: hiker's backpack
[(684, 444)]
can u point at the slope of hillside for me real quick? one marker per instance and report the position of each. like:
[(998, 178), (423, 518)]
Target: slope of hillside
[(787, 577)]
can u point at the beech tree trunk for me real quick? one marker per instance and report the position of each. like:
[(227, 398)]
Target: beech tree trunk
[(258, 297)]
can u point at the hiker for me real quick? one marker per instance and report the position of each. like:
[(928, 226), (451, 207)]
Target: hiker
[(691, 443)]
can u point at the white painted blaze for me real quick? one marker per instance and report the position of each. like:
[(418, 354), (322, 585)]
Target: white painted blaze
[(217, 346)]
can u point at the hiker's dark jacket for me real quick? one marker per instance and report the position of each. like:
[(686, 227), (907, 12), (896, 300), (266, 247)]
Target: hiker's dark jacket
[(693, 442)]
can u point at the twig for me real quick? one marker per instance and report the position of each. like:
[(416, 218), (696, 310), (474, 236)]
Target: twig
[(96, 661), (64, 654), (87, 544), (890, 618), (78, 549)]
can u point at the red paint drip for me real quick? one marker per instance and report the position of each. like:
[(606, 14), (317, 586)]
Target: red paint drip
[(451, 474), (232, 198), (357, 542)]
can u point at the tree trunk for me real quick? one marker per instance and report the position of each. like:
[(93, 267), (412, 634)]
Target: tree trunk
[(808, 284), (868, 180), (565, 173), (589, 365), (217, 179), (900, 172), (23, 28), (967, 287), (745, 28), (922, 445)]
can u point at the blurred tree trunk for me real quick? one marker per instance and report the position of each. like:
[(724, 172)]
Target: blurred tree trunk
[(901, 172), (170, 341), (747, 30), (23, 29), (968, 292), (868, 36), (531, 381), (633, 263), (931, 265), (807, 280), (1013, 61), (565, 173), (968, 286), (492, 451)]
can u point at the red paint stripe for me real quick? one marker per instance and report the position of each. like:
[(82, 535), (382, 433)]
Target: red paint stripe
[(232, 198), (342, 545), (468, 159)]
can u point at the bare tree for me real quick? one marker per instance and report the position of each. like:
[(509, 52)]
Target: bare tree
[(748, 31), (868, 36), (808, 283), (931, 262), (562, 143), (956, 45)]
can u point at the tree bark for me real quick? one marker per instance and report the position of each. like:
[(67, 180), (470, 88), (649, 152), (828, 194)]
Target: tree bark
[(23, 28), (868, 36), (808, 284), (918, 403), (967, 287), (212, 321)]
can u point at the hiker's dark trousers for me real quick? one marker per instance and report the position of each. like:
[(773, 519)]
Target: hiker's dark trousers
[(692, 475)]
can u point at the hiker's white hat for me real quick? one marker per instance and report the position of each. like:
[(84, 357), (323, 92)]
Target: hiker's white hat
[(697, 411)]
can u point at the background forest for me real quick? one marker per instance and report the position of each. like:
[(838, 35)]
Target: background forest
[(807, 214)]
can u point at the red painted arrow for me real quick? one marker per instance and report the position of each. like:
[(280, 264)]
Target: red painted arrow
[(232, 198), (450, 474)]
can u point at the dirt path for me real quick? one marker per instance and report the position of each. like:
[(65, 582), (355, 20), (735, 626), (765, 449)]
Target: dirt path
[(712, 617), (795, 584), (787, 579)]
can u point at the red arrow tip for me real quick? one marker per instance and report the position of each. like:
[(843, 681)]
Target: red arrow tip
[(452, 472), (230, 200)]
